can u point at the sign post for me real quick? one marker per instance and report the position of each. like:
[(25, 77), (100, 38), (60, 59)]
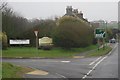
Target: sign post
[(36, 34), (100, 34)]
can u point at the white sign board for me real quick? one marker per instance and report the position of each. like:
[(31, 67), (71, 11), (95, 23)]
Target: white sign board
[(45, 40), (20, 41), (99, 35)]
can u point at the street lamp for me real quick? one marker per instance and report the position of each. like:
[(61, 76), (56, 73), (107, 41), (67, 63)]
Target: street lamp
[(36, 34)]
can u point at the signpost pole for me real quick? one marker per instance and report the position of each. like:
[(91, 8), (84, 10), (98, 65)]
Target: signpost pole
[(36, 34), (98, 42), (36, 42), (103, 43)]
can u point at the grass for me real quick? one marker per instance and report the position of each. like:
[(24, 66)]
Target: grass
[(0, 70), (12, 71), (54, 53), (100, 52)]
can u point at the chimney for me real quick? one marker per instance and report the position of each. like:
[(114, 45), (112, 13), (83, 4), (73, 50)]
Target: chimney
[(69, 10), (75, 11), (80, 15)]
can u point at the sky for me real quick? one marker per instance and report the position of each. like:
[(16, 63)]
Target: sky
[(43, 10)]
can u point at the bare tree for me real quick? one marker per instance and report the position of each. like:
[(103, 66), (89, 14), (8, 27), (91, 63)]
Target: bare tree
[(2, 5)]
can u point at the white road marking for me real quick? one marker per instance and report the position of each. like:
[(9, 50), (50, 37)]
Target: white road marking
[(84, 77), (65, 61), (61, 75), (95, 61), (109, 53), (53, 61), (112, 49), (94, 67), (89, 72), (99, 62)]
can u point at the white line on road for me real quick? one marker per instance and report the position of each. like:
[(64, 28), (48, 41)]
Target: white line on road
[(89, 72), (112, 50), (94, 67), (99, 62), (84, 77), (95, 61), (65, 61), (61, 75), (109, 53)]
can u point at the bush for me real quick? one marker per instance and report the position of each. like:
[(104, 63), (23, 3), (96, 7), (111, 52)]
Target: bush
[(3, 38), (72, 32)]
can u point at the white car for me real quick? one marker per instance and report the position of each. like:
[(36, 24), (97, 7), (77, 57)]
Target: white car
[(113, 40)]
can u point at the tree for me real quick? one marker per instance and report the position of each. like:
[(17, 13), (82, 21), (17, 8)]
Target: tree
[(45, 28), (72, 32), (13, 24), (2, 5)]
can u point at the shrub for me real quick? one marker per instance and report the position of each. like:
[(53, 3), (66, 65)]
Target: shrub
[(72, 32), (3, 38)]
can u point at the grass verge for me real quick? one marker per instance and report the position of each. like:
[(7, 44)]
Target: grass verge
[(12, 71), (100, 52), (54, 53)]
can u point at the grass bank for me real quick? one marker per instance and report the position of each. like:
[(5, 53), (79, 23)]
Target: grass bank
[(12, 71), (100, 52), (54, 53)]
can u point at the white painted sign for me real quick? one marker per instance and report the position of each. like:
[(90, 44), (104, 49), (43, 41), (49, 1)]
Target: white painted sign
[(20, 41), (99, 35), (45, 40)]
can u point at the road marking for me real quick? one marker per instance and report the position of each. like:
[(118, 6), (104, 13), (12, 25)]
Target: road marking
[(61, 75), (94, 67), (109, 53), (95, 61), (45, 61), (99, 62), (65, 61), (112, 50), (84, 77), (89, 72)]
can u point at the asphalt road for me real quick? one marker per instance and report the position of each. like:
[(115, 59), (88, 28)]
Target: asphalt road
[(95, 67)]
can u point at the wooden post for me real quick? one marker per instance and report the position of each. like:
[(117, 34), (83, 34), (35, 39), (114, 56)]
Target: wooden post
[(98, 42)]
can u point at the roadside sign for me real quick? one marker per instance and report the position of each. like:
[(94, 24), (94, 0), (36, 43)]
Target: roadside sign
[(36, 33), (99, 33), (27, 41)]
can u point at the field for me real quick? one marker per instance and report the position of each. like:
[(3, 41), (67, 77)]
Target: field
[(54, 53)]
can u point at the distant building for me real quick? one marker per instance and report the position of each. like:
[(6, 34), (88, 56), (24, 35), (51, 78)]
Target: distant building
[(96, 25), (75, 13), (99, 23), (113, 22)]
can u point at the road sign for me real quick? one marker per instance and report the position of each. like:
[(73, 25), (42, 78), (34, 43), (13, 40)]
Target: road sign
[(36, 33), (99, 33)]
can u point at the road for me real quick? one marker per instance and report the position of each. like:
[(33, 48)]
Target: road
[(82, 68)]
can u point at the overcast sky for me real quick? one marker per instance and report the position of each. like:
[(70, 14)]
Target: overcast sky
[(91, 10)]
